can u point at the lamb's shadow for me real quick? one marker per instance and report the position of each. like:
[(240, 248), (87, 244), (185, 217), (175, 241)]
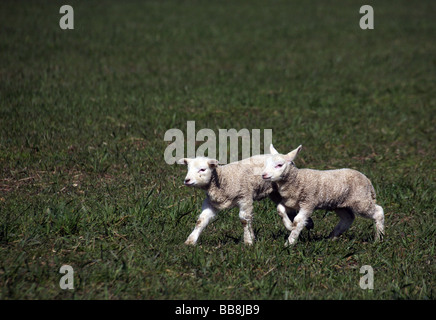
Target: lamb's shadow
[(230, 239), (305, 236)]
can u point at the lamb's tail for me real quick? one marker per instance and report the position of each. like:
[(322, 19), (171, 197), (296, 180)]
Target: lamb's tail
[(373, 195)]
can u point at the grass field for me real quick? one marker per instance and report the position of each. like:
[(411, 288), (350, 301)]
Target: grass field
[(83, 115)]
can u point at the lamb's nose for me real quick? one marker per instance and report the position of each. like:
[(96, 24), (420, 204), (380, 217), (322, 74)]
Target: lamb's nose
[(264, 176), (187, 181)]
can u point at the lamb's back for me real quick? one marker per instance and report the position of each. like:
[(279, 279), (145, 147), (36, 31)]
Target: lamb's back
[(327, 189)]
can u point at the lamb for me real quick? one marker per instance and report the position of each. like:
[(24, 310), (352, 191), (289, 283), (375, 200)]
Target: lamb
[(236, 184), (346, 191)]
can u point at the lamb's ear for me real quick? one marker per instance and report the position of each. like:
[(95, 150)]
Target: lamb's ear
[(212, 163), (183, 161), (293, 154), (272, 150)]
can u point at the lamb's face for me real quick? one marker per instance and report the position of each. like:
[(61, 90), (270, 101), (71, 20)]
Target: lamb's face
[(275, 165), (199, 171)]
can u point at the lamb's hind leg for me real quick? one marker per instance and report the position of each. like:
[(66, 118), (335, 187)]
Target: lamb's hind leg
[(246, 217), (346, 219), (376, 213), (379, 218)]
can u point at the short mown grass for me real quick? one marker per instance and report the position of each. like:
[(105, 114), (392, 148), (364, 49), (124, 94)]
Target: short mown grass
[(83, 114)]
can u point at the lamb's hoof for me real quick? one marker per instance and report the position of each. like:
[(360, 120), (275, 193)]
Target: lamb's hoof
[(379, 238), (332, 236), (190, 242), (288, 244), (248, 241)]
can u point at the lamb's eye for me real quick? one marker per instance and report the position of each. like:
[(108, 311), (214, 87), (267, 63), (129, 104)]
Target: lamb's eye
[(201, 170), (279, 165)]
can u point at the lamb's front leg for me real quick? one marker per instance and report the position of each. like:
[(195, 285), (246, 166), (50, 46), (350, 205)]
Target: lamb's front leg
[(298, 224), (246, 217), (281, 210), (207, 214)]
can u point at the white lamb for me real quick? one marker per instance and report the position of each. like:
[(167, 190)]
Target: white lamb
[(236, 184), (346, 191)]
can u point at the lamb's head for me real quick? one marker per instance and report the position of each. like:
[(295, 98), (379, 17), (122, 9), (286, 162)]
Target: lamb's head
[(277, 164), (199, 171)]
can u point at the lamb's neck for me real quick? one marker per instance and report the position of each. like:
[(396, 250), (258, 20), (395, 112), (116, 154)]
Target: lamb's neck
[(215, 183), (289, 178)]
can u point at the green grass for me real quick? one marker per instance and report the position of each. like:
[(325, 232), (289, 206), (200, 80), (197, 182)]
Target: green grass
[(83, 114)]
